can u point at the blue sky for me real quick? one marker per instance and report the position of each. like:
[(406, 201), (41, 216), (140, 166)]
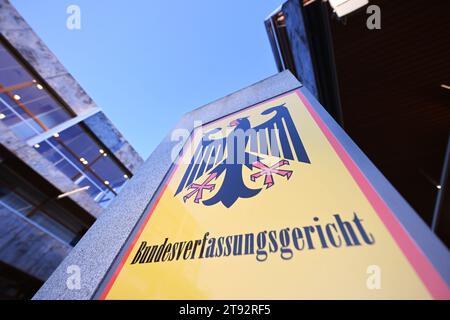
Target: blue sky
[(147, 62)]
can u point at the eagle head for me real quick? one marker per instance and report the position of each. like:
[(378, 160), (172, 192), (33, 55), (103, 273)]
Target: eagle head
[(239, 122)]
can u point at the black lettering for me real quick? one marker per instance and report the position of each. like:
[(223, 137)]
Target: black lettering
[(249, 243), (219, 250), (187, 250), (138, 254), (166, 251), (197, 243), (261, 253), (308, 231), (285, 241), (180, 249), (160, 250), (330, 235), (368, 238), (228, 241), (346, 229), (320, 232), (237, 245), (174, 251), (152, 254), (296, 236), (210, 248), (273, 244), (205, 236)]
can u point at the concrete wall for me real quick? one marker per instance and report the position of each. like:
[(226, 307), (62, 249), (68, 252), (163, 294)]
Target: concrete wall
[(103, 128)]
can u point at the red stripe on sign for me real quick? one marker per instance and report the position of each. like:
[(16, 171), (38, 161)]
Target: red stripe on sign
[(423, 267), (141, 228)]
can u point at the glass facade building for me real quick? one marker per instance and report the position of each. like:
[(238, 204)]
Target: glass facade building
[(62, 161), (25, 106), (29, 110)]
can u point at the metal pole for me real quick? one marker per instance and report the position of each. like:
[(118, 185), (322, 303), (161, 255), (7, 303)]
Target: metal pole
[(443, 186)]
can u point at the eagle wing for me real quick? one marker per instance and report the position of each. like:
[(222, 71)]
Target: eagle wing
[(209, 152), (280, 124)]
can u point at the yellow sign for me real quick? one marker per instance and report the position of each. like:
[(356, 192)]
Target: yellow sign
[(266, 204)]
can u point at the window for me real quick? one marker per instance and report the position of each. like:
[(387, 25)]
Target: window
[(86, 162), (26, 107), (21, 198)]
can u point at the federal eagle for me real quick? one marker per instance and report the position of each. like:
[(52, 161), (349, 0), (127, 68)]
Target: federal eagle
[(243, 146)]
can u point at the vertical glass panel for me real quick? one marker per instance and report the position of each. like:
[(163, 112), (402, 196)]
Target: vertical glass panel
[(20, 197), (17, 119), (42, 106), (94, 191), (77, 141), (111, 172), (11, 200), (26, 106), (82, 159), (48, 152), (51, 225)]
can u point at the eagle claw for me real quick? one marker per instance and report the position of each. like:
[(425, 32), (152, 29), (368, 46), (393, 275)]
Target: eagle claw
[(268, 172), (198, 189)]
